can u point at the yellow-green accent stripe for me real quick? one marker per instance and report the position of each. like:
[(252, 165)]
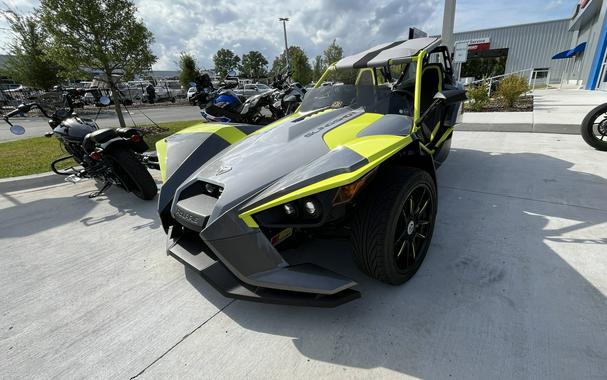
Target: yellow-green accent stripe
[(227, 132), (417, 103), (348, 131), (443, 138), (375, 148), (161, 151)]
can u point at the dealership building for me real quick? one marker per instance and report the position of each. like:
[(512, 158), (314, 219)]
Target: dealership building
[(571, 51)]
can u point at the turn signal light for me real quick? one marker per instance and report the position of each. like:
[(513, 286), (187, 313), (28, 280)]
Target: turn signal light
[(348, 192), (135, 138)]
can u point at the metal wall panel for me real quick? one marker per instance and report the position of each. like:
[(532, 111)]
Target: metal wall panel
[(529, 45)]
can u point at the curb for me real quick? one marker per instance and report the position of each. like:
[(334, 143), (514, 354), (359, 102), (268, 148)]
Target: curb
[(567, 129), (478, 127)]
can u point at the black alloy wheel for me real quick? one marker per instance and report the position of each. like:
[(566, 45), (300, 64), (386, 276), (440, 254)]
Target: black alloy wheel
[(413, 228)]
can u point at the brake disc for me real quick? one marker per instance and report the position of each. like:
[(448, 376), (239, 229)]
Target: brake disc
[(602, 127)]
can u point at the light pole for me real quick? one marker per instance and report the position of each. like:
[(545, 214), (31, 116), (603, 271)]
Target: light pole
[(284, 27), (448, 21)]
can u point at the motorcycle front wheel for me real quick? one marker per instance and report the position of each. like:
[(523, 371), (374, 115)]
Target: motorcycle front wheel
[(131, 173), (594, 128)]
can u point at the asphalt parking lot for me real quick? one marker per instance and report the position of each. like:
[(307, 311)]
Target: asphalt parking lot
[(38, 126), (513, 286)]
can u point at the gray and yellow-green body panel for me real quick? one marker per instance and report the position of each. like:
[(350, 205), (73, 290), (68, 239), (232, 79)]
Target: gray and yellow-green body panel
[(228, 234)]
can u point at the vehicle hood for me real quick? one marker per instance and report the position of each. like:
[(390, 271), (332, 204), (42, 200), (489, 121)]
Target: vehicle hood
[(254, 163)]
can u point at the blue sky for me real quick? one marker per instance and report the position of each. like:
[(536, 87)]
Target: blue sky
[(203, 26)]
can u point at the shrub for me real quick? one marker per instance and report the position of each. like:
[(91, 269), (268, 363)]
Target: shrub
[(478, 96), (510, 89)]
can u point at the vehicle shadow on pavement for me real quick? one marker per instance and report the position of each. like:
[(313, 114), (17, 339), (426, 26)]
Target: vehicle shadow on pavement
[(505, 290), (70, 202), (125, 204)]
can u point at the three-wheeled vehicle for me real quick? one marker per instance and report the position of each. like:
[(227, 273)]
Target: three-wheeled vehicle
[(357, 158)]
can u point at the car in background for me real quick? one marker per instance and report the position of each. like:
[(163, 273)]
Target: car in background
[(249, 90), (190, 93)]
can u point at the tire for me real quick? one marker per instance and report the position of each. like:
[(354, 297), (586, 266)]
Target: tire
[(385, 245), (593, 132), (133, 175)]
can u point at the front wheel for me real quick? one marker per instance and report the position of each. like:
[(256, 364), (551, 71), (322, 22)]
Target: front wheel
[(594, 128), (131, 173), (393, 225)]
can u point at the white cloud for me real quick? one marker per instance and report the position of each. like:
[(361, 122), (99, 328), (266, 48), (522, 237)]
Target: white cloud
[(202, 27)]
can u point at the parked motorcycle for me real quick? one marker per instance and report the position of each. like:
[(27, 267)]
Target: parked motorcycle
[(113, 156), (224, 105), (594, 128), (289, 95)]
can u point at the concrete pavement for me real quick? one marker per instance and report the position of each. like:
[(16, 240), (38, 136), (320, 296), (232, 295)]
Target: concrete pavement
[(562, 111), (554, 111), (513, 285), (38, 126)]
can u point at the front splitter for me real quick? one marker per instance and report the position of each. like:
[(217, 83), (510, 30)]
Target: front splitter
[(218, 276)]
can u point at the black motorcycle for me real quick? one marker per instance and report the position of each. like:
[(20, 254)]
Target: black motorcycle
[(594, 128), (289, 95), (225, 106), (113, 156)]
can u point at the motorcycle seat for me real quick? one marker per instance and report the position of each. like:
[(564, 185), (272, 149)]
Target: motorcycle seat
[(101, 135)]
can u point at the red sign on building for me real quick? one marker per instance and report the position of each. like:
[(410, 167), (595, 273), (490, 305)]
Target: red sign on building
[(479, 44)]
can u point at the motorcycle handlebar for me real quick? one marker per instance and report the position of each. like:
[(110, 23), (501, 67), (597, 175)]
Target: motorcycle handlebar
[(25, 108)]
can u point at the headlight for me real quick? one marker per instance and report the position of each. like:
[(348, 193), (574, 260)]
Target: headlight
[(306, 212), (311, 208), (290, 210), (314, 210)]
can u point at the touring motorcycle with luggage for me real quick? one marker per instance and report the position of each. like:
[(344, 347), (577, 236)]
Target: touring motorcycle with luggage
[(111, 156)]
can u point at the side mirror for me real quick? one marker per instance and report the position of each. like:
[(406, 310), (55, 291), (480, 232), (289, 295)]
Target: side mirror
[(451, 96), (104, 101), (17, 130)]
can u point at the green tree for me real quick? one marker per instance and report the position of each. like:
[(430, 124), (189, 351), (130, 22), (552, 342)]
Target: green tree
[(254, 65), (319, 68), (225, 60), (302, 71), (333, 53), (98, 34), (28, 62), (188, 70)]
